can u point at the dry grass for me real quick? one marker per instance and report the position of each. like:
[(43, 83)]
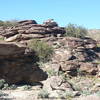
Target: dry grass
[(95, 34)]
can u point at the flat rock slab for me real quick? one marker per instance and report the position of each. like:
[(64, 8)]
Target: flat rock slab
[(8, 49)]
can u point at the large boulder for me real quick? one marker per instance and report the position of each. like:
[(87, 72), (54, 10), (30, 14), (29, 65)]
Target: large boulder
[(18, 64), (57, 83), (50, 23), (26, 22), (88, 68)]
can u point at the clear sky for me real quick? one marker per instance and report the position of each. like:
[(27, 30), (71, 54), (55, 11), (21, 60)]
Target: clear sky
[(81, 12)]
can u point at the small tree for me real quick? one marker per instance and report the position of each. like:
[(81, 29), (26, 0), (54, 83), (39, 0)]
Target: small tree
[(73, 30)]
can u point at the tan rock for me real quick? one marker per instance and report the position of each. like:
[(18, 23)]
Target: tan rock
[(13, 38), (17, 64), (89, 68)]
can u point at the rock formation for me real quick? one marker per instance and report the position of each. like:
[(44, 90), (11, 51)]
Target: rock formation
[(29, 29), (73, 55), (18, 64), (68, 73)]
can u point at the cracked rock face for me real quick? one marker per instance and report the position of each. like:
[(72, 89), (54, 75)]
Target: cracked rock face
[(76, 56), (17, 63)]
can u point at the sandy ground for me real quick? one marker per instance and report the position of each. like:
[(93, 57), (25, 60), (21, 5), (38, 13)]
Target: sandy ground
[(32, 95), (19, 95)]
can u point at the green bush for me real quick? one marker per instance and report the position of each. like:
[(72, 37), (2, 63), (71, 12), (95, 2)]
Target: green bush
[(1, 38), (51, 72), (42, 49), (73, 30), (8, 23), (27, 87), (1, 23), (43, 94), (2, 82)]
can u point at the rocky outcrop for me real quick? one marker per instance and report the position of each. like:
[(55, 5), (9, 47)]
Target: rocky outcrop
[(73, 71), (75, 56), (18, 64), (29, 29)]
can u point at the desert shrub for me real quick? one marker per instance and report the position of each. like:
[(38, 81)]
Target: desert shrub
[(1, 38), (51, 72), (1, 23), (12, 87), (43, 94), (2, 82), (98, 93), (86, 92), (42, 49), (67, 95), (27, 87), (2, 95), (73, 30), (8, 23), (5, 86)]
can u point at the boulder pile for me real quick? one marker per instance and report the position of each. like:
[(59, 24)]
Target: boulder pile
[(29, 29), (75, 56)]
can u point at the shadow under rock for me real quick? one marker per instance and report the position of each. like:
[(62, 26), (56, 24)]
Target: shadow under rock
[(97, 49), (91, 55)]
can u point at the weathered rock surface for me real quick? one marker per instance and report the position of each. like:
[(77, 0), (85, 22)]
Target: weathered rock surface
[(57, 83), (75, 55), (17, 64), (29, 29)]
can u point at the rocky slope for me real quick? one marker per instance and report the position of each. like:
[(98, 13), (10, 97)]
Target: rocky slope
[(73, 71), (73, 54)]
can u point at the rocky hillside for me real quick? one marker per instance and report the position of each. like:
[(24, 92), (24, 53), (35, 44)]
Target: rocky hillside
[(72, 73)]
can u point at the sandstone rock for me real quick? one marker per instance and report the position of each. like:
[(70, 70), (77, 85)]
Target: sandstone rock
[(57, 83), (62, 55), (70, 65), (89, 68), (9, 34), (30, 27), (74, 42), (50, 23), (98, 74), (89, 43), (17, 64), (26, 22), (13, 38), (11, 49)]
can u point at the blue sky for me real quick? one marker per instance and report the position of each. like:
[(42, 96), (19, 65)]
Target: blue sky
[(81, 12)]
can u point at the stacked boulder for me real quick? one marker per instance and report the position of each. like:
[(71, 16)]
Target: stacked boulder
[(28, 29)]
